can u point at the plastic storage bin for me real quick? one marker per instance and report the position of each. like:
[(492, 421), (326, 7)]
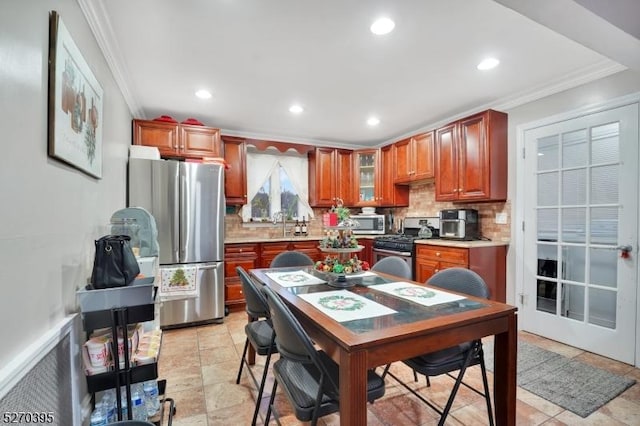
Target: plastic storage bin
[(98, 300)]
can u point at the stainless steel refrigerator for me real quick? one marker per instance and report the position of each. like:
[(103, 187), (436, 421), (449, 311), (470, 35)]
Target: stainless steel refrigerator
[(187, 202)]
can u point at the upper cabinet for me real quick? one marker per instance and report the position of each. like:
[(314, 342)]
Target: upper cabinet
[(374, 179), (366, 177), (330, 177), (178, 140), (414, 159), (471, 159), (235, 183)]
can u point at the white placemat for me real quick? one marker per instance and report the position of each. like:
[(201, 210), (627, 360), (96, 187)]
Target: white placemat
[(361, 274), (417, 293), (343, 305), (294, 278)]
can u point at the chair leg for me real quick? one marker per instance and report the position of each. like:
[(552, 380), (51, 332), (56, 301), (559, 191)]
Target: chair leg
[(244, 353), (487, 395), (271, 400), (454, 391), (261, 390)]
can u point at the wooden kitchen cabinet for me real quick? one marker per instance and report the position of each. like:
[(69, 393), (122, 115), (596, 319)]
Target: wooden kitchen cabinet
[(414, 159), (471, 159), (330, 177), (391, 195), (178, 140), (235, 183), (270, 250), (488, 262), (367, 252), (245, 255), (366, 177), (310, 248)]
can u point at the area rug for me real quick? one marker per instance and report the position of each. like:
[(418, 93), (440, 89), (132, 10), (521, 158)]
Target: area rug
[(571, 384)]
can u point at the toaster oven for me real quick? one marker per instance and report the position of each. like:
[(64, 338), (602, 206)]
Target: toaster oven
[(459, 224)]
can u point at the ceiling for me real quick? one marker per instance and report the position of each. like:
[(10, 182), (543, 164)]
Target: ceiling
[(258, 57)]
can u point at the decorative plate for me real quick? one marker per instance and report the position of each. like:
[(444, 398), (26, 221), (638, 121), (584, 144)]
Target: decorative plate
[(294, 278), (414, 292), (341, 303)]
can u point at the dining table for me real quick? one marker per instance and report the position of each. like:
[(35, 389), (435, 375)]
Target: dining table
[(370, 319)]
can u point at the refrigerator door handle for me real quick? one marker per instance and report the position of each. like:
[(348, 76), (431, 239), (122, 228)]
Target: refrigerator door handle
[(184, 213), (210, 265)]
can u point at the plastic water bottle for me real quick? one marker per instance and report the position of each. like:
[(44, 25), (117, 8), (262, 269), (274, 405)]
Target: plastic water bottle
[(108, 402), (138, 409), (151, 397), (98, 416)]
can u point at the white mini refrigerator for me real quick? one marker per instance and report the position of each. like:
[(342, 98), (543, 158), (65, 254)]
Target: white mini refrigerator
[(187, 202)]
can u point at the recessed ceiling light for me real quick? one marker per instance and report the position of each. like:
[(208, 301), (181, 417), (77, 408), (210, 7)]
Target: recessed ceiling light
[(296, 109), (488, 63), (203, 94), (382, 26), (373, 121)]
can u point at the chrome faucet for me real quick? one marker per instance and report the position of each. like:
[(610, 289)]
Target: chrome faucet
[(281, 216)]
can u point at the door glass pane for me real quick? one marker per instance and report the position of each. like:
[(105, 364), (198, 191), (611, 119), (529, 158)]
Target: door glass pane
[(573, 225), (604, 184), (548, 158), (572, 305), (605, 144), (574, 148), (548, 224), (548, 189), (603, 268), (367, 177), (604, 225), (574, 187), (547, 268), (602, 307), (573, 263)]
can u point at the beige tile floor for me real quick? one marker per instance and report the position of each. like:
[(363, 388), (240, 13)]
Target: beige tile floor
[(201, 364)]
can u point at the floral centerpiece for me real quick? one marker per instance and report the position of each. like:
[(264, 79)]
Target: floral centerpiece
[(335, 265)]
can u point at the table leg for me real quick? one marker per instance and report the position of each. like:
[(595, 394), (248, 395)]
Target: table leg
[(504, 379), (353, 388)]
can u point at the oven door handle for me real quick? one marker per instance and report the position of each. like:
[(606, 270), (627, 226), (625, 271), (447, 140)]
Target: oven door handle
[(391, 252)]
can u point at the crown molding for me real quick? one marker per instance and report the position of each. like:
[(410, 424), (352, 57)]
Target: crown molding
[(98, 21), (585, 75)]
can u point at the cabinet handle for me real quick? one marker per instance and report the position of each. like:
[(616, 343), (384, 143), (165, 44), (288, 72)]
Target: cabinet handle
[(240, 250), (438, 254), (240, 291), (436, 270), (459, 189)]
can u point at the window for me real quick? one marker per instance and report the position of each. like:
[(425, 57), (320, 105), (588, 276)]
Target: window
[(276, 183)]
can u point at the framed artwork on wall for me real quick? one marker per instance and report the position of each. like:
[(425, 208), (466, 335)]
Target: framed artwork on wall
[(75, 103)]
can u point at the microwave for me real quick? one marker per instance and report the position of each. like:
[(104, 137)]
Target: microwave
[(370, 224), (459, 224)]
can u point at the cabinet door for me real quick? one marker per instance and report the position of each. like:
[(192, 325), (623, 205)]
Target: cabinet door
[(404, 162), (366, 165), (446, 163), (423, 156), (322, 177), (199, 141), (310, 248), (344, 176), (390, 194), (367, 252), (270, 250), (159, 134), (425, 268), (235, 183), (482, 153)]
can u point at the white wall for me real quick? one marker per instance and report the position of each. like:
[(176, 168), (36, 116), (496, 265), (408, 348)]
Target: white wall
[(51, 213), (611, 87)]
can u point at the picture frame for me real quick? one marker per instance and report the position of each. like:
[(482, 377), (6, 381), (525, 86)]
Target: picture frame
[(75, 104)]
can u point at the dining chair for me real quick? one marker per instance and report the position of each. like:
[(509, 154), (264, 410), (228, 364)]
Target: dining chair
[(309, 377), (259, 332), (458, 357), (291, 258), (393, 265)]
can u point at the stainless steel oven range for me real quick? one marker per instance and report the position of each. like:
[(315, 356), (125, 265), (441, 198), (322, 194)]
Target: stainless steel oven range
[(402, 245)]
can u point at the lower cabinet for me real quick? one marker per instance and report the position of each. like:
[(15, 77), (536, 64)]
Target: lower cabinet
[(367, 252), (245, 255), (256, 255), (488, 262)]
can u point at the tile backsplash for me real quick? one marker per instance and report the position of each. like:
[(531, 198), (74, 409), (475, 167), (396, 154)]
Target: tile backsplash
[(421, 203)]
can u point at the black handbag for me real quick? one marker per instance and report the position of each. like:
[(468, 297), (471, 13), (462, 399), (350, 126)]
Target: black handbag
[(114, 265)]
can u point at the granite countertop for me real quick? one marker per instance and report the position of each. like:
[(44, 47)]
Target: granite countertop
[(289, 238), (462, 244)]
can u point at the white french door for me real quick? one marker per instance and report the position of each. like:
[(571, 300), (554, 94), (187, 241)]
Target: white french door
[(580, 232)]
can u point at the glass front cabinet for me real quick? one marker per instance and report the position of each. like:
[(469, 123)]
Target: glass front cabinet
[(367, 177)]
